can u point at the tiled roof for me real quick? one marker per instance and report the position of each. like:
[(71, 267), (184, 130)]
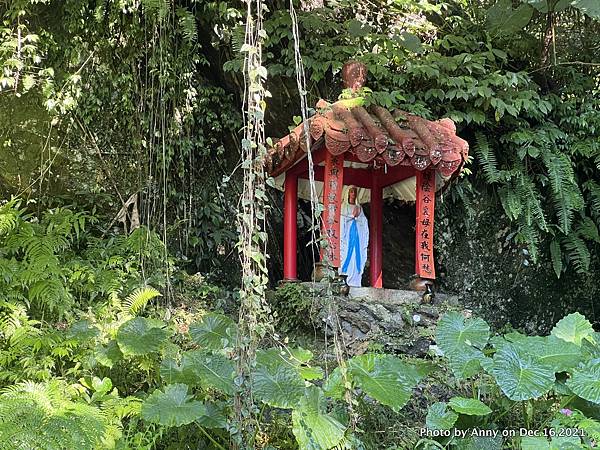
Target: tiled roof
[(374, 135)]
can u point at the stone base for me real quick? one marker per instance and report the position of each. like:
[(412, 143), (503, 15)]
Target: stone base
[(398, 320), (384, 295)]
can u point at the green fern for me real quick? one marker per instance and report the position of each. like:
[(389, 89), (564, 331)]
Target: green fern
[(238, 37), (566, 195), (511, 202), (43, 416), (187, 24), (138, 300), (579, 254), (593, 192), (158, 8), (9, 216), (556, 255), (587, 229), (533, 212), (529, 236), (487, 158)]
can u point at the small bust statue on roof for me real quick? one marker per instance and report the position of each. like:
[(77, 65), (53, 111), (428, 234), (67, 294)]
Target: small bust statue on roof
[(354, 75)]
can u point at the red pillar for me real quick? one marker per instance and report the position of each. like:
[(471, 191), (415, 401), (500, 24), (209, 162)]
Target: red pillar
[(424, 264), (376, 231), (290, 239)]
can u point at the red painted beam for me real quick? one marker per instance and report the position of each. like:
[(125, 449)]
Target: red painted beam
[(358, 177), (353, 158), (396, 174), (376, 231), (290, 239), (318, 156)]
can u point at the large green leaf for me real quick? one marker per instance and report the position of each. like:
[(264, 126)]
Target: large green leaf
[(172, 406), (140, 336), (589, 7), (466, 363), (479, 443), (551, 351), (573, 328), (558, 354), (461, 340), (213, 371), (83, 331), (566, 443), (294, 357), (290, 356), (172, 372), (520, 375), (439, 417), (313, 427), (215, 332), (469, 406), (534, 443), (214, 417), (590, 347), (502, 18), (108, 355), (455, 333), (385, 378), (198, 368), (279, 386), (334, 384), (542, 5), (311, 373), (586, 381)]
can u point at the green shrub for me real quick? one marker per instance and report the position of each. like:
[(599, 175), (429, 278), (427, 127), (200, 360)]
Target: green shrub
[(293, 306)]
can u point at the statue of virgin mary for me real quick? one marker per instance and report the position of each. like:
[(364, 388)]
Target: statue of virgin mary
[(354, 238)]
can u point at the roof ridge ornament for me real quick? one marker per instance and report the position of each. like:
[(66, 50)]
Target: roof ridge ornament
[(354, 75)]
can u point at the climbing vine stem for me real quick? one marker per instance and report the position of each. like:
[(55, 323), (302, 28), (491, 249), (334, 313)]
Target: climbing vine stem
[(254, 311)]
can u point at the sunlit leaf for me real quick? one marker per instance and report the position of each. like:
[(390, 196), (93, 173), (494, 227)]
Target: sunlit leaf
[(172, 406), (455, 332), (385, 378), (140, 336), (519, 375), (469, 406), (439, 417), (573, 328), (586, 381), (215, 332), (280, 386), (313, 427)]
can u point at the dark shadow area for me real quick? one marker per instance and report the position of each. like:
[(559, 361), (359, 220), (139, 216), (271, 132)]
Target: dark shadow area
[(398, 243)]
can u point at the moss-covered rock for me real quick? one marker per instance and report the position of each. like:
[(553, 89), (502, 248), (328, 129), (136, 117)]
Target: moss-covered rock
[(480, 262)]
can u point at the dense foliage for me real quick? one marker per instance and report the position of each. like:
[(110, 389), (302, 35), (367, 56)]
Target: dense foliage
[(124, 373), (121, 135)]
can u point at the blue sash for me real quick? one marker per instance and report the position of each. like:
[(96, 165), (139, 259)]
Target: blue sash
[(353, 247)]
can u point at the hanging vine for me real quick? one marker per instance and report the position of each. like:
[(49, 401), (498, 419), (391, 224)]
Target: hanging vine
[(339, 345), (254, 311)]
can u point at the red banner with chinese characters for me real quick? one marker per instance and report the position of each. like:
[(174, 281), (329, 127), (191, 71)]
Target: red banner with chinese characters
[(425, 267), (332, 203)]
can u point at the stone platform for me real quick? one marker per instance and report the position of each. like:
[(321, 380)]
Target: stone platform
[(384, 295), (398, 320)]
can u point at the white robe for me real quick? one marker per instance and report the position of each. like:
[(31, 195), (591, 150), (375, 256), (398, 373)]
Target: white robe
[(353, 272)]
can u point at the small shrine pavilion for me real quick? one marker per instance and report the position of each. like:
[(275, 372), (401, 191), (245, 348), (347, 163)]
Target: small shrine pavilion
[(383, 153)]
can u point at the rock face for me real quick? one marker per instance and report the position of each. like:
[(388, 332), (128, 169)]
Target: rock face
[(369, 318)]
